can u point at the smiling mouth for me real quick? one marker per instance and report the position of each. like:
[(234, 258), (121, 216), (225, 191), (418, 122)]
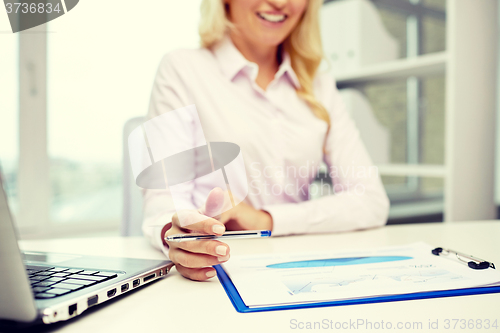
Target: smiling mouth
[(273, 18)]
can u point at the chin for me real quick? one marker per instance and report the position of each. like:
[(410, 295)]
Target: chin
[(270, 40)]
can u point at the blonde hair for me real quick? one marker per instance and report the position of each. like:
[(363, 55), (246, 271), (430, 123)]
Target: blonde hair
[(303, 45)]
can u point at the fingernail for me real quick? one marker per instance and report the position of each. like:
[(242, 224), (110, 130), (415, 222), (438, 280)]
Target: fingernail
[(226, 258), (218, 229), (221, 250), (210, 274)]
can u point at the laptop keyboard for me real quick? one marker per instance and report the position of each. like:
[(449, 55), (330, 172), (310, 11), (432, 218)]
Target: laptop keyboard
[(50, 282)]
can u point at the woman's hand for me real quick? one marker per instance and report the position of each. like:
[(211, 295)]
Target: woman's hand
[(245, 217), (193, 259)]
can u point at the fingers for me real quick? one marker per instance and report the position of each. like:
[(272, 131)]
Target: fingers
[(213, 248), (194, 260), (225, 217), (197, 274), (214, 203), (195, 222), (217, 201)]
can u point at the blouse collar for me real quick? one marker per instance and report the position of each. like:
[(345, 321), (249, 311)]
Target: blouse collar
[(232, 62)]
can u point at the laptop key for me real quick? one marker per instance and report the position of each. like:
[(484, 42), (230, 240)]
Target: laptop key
[(89, 272), (54, 279), (69, 286), (89, 277), (45, 273), (58, 291), (64, 274), (59, 269), (80, 282), (45, 284), (73, 271), (38, 277), (107, 274), (44, 295), (39, 268), (40, 289)]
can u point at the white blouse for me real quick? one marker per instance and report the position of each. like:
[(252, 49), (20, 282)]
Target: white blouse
[(280, 138)]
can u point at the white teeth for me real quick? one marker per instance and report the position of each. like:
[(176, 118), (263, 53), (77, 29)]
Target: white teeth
[(272, 17)]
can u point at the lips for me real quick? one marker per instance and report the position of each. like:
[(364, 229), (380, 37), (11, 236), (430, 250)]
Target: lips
[(273, 18)]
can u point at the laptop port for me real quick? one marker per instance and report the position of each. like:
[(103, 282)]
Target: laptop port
[(124, 287), (92, 300), (72, 309), (136, 283), (111, 292), (149, 277)]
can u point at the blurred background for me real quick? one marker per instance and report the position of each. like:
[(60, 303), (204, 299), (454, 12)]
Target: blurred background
[(68, 87)]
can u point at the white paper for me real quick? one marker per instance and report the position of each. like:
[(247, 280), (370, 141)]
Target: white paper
[(408, 269)]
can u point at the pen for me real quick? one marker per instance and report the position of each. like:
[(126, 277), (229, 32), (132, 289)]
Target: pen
[(226, 235), (472, 262)]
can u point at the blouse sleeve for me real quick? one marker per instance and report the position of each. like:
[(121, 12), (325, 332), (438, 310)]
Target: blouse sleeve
[(168, 94), (359, 200)]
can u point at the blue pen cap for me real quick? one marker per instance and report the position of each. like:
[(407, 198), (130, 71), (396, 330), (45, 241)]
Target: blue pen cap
[(265, 233)]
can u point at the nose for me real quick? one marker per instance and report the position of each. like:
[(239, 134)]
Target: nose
[(278, 4)]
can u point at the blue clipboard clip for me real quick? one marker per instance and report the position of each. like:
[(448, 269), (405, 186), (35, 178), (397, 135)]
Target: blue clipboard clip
[(472, 262)]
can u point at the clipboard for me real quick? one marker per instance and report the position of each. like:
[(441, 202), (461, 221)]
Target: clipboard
[(240, 306)]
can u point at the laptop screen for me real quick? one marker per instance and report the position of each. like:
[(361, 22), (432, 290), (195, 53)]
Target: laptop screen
[(16, 298)]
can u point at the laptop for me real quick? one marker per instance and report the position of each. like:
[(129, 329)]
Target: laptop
[(40, 287)]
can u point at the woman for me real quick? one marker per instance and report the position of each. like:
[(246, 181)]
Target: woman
[(254, 83)]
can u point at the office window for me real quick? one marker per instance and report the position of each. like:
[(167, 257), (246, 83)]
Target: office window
[(412, 109), (388, 101), (9, 111), (435, 4), (101, 66), (430, 35), (432, 120), (395, 23), (434, 35)]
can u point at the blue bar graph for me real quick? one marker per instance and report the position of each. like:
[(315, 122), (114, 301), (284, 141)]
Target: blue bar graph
[(337, 262)]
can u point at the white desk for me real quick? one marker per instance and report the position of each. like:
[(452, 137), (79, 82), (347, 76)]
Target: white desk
[(175, 304)]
